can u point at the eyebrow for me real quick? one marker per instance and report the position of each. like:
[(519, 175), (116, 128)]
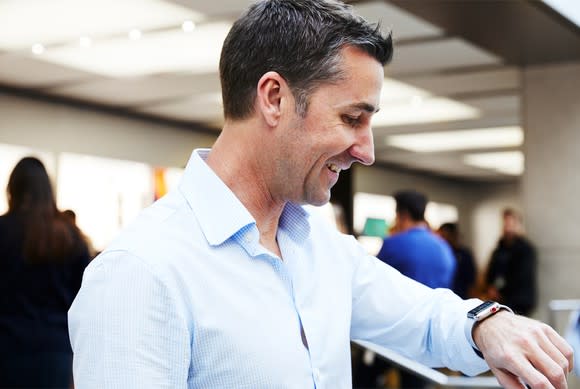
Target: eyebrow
[(366, 107)]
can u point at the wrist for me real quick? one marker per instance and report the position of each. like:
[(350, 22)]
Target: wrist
[(482, 313), (479, 329)]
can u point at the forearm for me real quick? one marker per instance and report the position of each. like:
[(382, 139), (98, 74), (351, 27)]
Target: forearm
[(421, 323)]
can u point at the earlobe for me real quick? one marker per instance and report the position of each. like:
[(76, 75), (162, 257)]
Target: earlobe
[(269, 97)]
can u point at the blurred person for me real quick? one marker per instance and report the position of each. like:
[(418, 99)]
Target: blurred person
[(415, 250), (42, 258), (417, 253), (71, 217), (465, 270), (228, 282), (511, 273)]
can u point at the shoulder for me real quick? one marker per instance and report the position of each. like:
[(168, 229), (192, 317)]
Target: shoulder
[(7, 219), (3, 221), (524, 246), (389, 243), (159, 229), (10, 226)]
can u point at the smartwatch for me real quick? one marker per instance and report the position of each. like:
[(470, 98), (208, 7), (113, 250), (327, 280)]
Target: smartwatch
[(485, 310)]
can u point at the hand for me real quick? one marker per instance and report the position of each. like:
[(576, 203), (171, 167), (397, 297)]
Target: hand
[(517, 347)]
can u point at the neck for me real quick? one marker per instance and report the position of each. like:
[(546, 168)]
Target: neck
[(236, 158), (408, 224)]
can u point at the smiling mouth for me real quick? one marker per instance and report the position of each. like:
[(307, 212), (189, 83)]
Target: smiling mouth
[(333, 167)]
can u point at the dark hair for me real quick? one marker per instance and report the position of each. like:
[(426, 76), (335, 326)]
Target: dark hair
[(47, 235), (299, 39), (412, 203), (450, 228)]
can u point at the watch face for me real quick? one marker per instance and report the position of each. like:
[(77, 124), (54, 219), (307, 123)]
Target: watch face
[(483, 310)]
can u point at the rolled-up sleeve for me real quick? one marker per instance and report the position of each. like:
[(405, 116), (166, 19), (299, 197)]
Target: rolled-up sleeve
[(126, 328)]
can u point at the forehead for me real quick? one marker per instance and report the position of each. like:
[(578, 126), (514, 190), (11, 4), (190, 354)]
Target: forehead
[(361, 83)]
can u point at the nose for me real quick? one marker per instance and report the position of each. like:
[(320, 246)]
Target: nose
[(363, 150)]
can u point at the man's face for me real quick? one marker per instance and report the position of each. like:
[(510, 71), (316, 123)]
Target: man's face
[(335, 132), (511, 225)]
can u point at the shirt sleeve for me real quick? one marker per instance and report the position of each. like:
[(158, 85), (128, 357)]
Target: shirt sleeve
[(126, 328), (426, 325)]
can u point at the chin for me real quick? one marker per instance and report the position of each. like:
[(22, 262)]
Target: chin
[(318, 201)]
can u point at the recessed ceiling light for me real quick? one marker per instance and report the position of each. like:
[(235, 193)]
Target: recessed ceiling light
[(506, 162), (37, 49), (458, 140), (188, 26), (135, 34), (85, 42)]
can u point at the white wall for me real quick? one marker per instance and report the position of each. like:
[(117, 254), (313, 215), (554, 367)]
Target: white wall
[(60, 128), (551, 184)]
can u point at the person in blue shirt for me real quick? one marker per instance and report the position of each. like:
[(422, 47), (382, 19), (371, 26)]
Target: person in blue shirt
[(229, 282), (417, 253), (415, 250)]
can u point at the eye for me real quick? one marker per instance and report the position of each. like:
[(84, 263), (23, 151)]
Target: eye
[(351, 120)]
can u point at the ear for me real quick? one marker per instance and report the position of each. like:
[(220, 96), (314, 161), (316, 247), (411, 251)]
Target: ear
[(271, 94)]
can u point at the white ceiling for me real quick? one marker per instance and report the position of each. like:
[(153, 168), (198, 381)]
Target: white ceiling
[(425, 57)]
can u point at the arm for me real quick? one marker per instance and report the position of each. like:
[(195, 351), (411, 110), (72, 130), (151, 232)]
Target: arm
[(126, 328), (421, 323), (515, 346), (430, 327)]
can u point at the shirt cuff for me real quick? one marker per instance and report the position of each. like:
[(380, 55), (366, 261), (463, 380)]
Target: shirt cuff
[(469, 334)]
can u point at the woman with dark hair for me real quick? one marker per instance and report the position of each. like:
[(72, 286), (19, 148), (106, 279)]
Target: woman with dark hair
[(42, 259)]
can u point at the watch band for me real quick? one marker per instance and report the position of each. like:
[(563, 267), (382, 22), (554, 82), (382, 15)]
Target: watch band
[(486, 309)]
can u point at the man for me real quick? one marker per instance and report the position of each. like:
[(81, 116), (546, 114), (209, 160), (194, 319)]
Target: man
[(511, 273), (465, 271), (414, 250), (228, 283)]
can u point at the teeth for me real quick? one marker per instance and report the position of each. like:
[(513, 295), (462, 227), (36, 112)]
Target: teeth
[(333, 167)]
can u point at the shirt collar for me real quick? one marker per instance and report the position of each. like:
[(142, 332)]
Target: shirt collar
[(219, 211), (294, 219)]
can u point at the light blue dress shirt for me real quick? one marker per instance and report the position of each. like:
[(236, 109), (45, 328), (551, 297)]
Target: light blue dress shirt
[(187, 297)]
